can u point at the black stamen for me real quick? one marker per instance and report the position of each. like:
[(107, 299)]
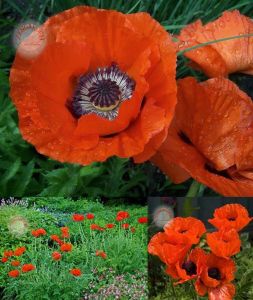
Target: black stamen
[(214, 273), (190, 267)]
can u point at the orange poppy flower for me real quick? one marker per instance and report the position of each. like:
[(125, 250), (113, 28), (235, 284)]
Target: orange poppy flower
[(13, 273), (90, 94), (56, 239), (96, 227), (78, 218), (125, 225), (90, 216), (4, 259), (76, 272), (169, 248), (19, 251), (66, 247), (189, 227), (189, 267), (224, 243), (8, 253), (56, 256), (143, 220), (38, 232), (121, 215), (211, 137), (217, 274), (230, 216), (222, 58), (110, 225), (15, 263), (101, 254), (27, 268), (65, 232)]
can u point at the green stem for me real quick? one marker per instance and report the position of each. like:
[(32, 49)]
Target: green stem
[(193, 192), (194, 189), (213, 42)]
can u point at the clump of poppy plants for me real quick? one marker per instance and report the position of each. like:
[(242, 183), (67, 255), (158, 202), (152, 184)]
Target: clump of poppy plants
[(206, 259), (60, 249)]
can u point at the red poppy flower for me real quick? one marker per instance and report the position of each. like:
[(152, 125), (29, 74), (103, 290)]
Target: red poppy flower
[(211, 139), (121, 215), (19, 251), (133, 229), (224, 243), (190, 227), (8, 253), (220, 59), (13, 273), (143, 220), (125, 226), (96, 227), (56, 255), (78, 217), (110, 225), (101, 254), (39, 232), (76, 272), (230, 216), (65, 232), (111, 101), (188, 268), (15, 263), (27, 268), (66, 247), (4, 259), (56, 239), (169, 248), (90, 216), (217, 273)]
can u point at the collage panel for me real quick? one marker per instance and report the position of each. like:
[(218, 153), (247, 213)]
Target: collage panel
[(64, 248), (125, 128), (200, 248)]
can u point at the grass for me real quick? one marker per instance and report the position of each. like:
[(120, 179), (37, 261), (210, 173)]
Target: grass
[(25, 172), (123, 269)]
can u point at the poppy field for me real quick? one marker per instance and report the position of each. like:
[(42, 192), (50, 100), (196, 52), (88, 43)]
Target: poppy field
[(193, 263), (96, 253)]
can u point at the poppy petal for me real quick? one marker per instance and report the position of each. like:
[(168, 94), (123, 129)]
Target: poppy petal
[(222, 292), (222, 58), (224, 243)]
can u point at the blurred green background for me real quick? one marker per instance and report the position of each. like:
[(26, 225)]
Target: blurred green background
[(25, 172)]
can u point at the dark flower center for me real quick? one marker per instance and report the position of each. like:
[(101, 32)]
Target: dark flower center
[(101, 92), (104, 93), (214, 273), (190, 267), (231, 219)]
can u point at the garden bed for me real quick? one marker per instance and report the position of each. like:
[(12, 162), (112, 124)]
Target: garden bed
[(81, 251)]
